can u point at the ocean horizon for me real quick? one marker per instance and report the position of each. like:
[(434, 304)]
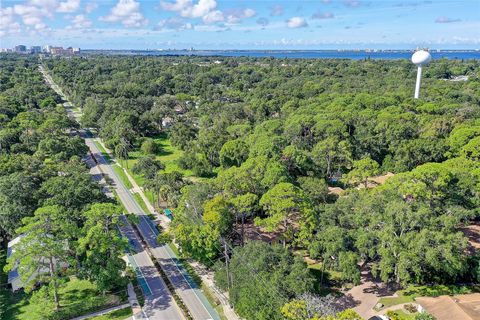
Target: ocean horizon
[(296, 54)]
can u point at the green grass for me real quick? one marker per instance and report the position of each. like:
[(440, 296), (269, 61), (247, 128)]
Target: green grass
[(168, 155), (121, 314), (138, 291), (140, 201), (123, 176), (11, 304), (175, 249), (402, 315), (198, 280), (103, 151), (118, 170), (392, 301), (77, 297), (213, 301), (411, 292), (331, 279)]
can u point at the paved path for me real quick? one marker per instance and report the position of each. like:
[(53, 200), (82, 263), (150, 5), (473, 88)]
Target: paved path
[(159, 303), (364, 297), (191, 295), (102, 312), (205, 275)]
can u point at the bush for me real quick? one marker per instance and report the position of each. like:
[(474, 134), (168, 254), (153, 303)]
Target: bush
[(149, 147), (392, 315), (424, 316), (410, 308), (163, 238)]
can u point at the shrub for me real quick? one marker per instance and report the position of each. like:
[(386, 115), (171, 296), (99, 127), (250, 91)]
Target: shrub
[(149, 147), (424, 316), (392, 315), (410, 308)]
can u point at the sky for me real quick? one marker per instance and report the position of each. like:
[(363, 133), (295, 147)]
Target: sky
[(216, 24)]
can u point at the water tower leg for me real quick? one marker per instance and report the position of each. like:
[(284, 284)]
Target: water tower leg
[(417, 85)]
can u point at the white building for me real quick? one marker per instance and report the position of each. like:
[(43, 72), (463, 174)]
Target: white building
[(13, 276)]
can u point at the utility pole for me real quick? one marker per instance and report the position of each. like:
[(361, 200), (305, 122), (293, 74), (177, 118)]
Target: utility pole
[(225, 248)]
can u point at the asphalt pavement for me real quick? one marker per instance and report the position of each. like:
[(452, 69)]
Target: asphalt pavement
[(191, 295), (159, 303)]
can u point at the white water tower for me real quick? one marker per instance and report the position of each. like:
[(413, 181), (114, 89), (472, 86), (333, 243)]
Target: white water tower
[(420, 58)]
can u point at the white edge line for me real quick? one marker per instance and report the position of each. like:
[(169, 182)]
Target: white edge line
[(139, 269), (176, 266)]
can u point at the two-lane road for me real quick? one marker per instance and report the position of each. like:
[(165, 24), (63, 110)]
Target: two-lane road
[(191, 295), (159, 303)]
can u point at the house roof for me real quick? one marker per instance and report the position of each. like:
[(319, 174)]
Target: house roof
[(13, 273), (459, 307)]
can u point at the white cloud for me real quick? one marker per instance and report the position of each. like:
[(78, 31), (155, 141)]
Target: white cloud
[(80, 21), (232, 16), (187, 9), (352, 3), (174, 24), (31, 15), (8, 25), (41, 27), (89, 7), (44, 4), (214, 16), (178, 5), (235, 16), (296, 22), (126, 12), (68, 6), (206, 9)]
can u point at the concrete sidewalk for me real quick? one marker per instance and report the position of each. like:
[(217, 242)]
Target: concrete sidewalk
[(102, 312)]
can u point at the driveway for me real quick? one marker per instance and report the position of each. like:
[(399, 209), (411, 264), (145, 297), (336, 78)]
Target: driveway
[(364, 297)]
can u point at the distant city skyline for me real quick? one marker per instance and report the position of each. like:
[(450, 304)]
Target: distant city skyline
[(211, 24)]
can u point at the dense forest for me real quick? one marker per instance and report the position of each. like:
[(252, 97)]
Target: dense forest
[(266, 141), (47, 196)]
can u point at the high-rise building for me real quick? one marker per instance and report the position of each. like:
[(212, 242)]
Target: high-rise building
[(35, 49), (20, 48)]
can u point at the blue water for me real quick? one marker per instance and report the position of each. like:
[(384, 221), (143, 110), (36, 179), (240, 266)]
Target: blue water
[(306, 54)]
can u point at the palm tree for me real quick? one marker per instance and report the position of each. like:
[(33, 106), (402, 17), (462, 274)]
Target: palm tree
[(121, 150)]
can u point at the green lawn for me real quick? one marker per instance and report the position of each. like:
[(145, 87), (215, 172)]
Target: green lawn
[(11, 304), (118, 170), (410, 293), (77, 297), (121, 314), (331, 279), (198, 280), (213, 301), (402, 315), (102, 150), (140, 201), (167, 154), (123, 176)]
